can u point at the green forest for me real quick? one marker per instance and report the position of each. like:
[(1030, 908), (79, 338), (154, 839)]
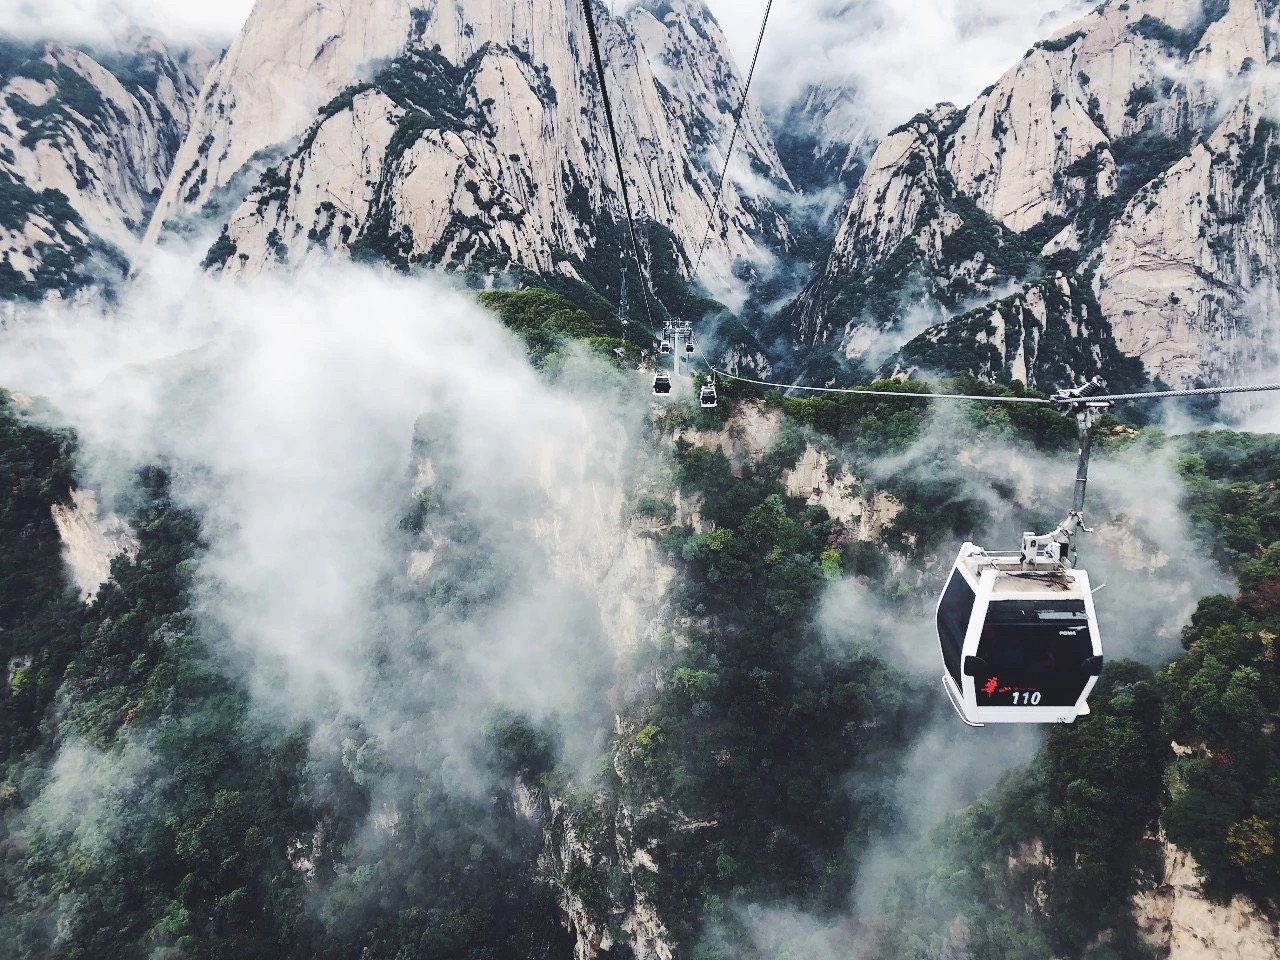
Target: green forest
[(148, 809)]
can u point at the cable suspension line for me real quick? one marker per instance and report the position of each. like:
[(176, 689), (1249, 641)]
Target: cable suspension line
[(1062, 401), (724, 175), (617, 154), (1198, 392), (737, 125), (876, 393)]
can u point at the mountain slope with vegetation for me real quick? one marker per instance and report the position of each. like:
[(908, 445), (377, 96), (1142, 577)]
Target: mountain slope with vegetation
[(717, 623), (1183, 758), (744, 760)]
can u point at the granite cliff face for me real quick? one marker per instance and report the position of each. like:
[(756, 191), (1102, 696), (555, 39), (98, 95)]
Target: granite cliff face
[(86, 145), (1189, 274), (1179, 921), (471, 136), (1130, 149), (1132, 153)]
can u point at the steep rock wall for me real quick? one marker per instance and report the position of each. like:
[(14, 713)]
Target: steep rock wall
[(1177, 919), (1133, 148), (1190, 275), (498, 155), (91, 541), (85, 147)]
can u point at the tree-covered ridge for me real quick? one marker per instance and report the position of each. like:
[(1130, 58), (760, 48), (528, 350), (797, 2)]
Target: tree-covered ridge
[(153, 813), (236, 825), (549, 323), (756, 726), (184, 809), (751, 761), (39, 612), (1049, 859)]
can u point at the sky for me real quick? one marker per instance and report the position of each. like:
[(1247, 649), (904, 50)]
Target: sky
[(212, 22), (902, 57)]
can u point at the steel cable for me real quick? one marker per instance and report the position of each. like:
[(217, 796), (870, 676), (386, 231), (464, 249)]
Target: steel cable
[(1197, 392), (737, 125), (617, 154)]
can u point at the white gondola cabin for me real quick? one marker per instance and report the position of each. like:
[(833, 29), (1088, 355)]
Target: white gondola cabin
[(708, 396), (661, 385), (664, 347), (1019, 639)]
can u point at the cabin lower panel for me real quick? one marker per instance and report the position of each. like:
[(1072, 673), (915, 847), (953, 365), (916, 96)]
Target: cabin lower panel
[(980, 716), (1026, 714)]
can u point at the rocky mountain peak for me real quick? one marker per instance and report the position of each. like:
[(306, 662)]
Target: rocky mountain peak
[(290, 58), (1068, 162), (87, 140), (470, 135)]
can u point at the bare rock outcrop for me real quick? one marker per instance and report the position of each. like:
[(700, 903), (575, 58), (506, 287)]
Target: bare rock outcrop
[(469, 136), (821, 482), (90, 541), (1177, 919)]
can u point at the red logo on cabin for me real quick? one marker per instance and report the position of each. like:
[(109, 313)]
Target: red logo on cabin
[(991, 686)]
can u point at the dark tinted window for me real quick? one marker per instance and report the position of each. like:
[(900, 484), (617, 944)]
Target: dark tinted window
[(953, 622), (1033, 653)]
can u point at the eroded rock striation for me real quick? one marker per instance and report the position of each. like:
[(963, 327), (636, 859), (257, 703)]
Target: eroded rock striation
[(471, 136), (87, 141)]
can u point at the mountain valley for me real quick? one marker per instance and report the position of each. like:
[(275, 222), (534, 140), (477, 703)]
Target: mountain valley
[(358, 599)]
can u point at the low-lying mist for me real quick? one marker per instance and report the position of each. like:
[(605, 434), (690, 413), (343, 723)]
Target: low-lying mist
[(411, 534), (304, 419)]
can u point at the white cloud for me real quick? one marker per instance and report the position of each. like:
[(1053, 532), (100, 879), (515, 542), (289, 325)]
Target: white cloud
[(102, 21), (901, 57), (296, 415)]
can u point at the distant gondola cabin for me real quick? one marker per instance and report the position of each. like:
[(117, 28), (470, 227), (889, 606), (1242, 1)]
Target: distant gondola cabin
[(1019, 641)]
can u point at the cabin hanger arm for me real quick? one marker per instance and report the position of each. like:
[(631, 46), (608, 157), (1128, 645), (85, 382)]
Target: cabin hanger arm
[(1055, 547)]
